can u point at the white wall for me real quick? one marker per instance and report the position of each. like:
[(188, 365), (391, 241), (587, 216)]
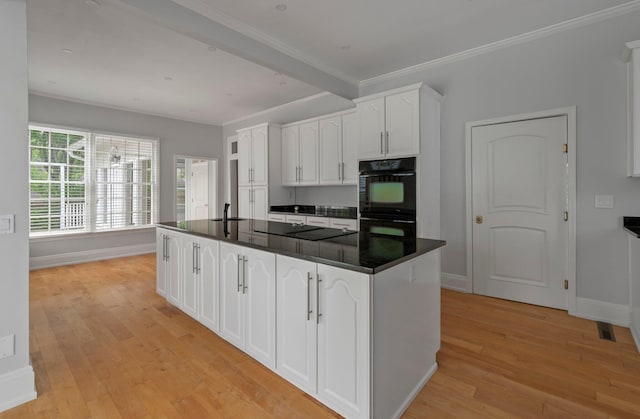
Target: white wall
[(176, 137), (16, 375), (581, 67)]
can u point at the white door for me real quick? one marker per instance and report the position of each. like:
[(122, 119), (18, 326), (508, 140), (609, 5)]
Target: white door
[(402, 112), (290, 139), (244, 158), (350, 136), (208, 264), (231, 297), (520, 237), (343, 340), (190, 285), (199, 190), (296, 327), (309, 153), (330, 150), (259, 287), (371, 117), (260, 155)]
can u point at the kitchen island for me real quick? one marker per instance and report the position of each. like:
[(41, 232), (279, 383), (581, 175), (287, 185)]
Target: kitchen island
[(353, 319)]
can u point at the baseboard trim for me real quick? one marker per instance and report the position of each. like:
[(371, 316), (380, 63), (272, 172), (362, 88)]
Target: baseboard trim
[(617, 314), (415, 391), (17, 387), (636, 336), (40, 262), (454, 282)]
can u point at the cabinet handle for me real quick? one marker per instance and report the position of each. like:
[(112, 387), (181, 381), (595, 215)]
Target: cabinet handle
[(244, 275), (193, 258), (168, 255), (339, 165), (381, 141), (387, 136), (239, 259), (197, 258), (309, 311), (318, 281), (342, 171), (164, 247)]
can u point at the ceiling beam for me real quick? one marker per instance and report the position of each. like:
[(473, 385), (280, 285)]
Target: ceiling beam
[(196, 26)]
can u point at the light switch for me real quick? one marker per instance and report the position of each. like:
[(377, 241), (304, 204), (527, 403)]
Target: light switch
[(6, 224), (604, 201)]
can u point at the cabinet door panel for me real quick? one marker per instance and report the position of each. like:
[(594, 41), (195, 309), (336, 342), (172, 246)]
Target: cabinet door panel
[(371, 126), (309, 153), (244, 157), (403, 123), (245, 204), (161, 279), (350, 134), (189, 278), (209, 304), (260, 155), (260, 322), (231, 297), (290, 152), (173, 271), (330, 150), (260, 207), (296, 317), (343, 340)]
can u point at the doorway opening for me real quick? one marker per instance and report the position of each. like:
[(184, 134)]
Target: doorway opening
[(196, 188)]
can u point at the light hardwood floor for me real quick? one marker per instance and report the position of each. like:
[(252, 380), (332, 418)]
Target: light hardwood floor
[(104, 345)]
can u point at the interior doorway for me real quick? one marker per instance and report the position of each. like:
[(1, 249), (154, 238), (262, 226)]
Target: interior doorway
[(521, 208), (196, 190)]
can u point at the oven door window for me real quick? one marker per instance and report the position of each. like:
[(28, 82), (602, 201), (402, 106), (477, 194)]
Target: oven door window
[(386, 193)]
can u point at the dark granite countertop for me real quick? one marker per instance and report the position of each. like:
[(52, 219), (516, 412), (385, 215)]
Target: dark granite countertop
[(317, 210), (359, 251), (632, 225)]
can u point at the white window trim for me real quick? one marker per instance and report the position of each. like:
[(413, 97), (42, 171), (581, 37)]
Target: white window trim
[(90, 186)]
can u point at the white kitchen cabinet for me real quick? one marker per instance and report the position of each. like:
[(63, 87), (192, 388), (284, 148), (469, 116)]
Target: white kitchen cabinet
[(208, 270), (300, 154), (350, 137), (323, 333), (296, 219), (318, 221), (280, 217), (253, 154), (247, 301), (389, 124), (252, 202), (338, 145), (190, 248), (296, 322), (349, 224), (168, 255), (633, 105)]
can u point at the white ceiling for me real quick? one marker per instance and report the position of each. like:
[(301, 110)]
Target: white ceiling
[(154, 56)]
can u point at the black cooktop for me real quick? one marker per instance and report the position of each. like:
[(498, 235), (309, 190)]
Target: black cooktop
[(297, 231)]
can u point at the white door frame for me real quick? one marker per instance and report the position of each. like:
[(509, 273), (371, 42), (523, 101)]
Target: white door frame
[(570, 113), (213, 183)]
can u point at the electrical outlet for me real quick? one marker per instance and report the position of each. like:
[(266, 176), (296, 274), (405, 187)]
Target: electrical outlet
[(7, 222), (604, 201), (7, 346)]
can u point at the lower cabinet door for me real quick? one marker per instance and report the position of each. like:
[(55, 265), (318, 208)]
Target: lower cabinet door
[(173, 271), (343, 341), (259, 287), (231, 297), (245, 202), (208, 295), (190, 279), (296, 322), (161, 278)]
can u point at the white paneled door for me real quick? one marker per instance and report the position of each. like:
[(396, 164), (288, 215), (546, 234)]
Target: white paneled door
[(520, 195)]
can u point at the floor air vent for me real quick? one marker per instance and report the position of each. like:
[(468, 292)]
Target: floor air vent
[(605, 330)]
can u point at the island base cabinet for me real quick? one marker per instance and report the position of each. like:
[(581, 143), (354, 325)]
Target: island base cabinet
[(168, 255), (161, 277), (344, 341), (247, 301), (200, 280)]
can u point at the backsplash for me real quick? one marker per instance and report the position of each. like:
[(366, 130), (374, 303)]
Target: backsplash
[(326, 195)]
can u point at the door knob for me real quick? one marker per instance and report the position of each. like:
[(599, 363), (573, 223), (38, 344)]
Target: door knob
[(479, 219)]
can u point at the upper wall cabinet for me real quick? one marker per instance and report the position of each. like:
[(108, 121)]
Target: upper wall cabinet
[(633, 118), (253, 156), (338, 149), (389, 123), (300, 154)]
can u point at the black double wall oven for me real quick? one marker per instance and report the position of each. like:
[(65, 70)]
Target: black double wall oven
[(387, 195)]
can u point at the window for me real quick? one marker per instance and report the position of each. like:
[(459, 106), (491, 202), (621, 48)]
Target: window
[(86, 182)]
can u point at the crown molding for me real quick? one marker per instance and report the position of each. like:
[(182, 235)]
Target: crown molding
[(206, 9), (508, 42)]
